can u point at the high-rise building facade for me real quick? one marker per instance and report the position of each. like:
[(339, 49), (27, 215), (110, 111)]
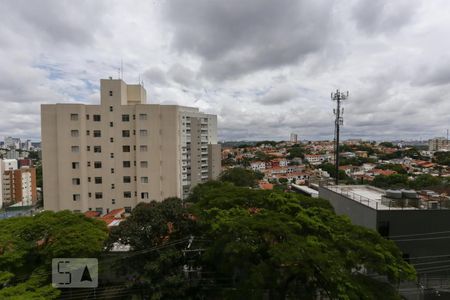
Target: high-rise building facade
[(438, 143), (124, 151), (294, 138), (17, 185)]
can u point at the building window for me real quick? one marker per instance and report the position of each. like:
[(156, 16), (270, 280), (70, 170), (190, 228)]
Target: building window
[(88, 148), (144, 179), (89, 194), (143, 132), (88, 163), (111, 108), (87, 117), (89, 179), (75, 165), (125, 118), (144, 195), (142, 117), (97, 118), (97, 164), (134, 117), (76, 181), (74, 133), (75, 149), (111, 124), (126, 164), (113, 186), (76, 197), (134, 132), (97, 149), (144, 164), (125, 133), (134, 163), (110, 93), (127, 194), (74, 117), (98, 195), (111, 155), (126, 148), (97, 133), (143, 148), (126, 179), (87, 132), (111, 140), (112, 170), (98, 180), (113, 201)]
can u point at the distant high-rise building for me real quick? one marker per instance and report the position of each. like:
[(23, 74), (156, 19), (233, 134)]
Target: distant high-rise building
[(124, 151), (294, 138), (17, 185), (438, 143), (12, 143)]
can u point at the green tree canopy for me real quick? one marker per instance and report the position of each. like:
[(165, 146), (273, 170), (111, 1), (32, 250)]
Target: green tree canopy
[(157, 232), (272, 244), (391, 181), (241, 177), (394, 167), (387, 144), (442, 158), (28, 244), (254, 244)]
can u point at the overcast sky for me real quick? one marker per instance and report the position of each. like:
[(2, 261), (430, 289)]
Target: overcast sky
[(266, 68)]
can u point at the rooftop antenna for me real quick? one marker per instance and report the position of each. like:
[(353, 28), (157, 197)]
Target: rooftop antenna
[(121, 68), (339, 120)]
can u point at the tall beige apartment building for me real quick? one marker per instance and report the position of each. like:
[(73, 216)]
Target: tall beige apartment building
[(124, 151)]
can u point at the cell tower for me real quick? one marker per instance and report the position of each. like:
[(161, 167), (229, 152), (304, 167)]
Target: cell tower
[(338, 112)]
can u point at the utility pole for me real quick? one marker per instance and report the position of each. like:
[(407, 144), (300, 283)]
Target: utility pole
[(338, 112)]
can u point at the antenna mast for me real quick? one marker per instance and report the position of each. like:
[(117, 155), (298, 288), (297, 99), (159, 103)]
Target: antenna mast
[(339, 120)]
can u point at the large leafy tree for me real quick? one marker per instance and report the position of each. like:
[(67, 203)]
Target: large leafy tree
[(157, 233), (241, 177), (28, 244), (282, 245), (253, 244)]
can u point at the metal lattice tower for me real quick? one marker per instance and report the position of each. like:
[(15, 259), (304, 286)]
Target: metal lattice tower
[(339, 120)]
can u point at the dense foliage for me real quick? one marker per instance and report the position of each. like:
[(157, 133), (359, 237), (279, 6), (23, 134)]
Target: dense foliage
[(279, 245), (422, 181), (28, 244), (253, 244), (241, 177), (157, 231), (442, 158)]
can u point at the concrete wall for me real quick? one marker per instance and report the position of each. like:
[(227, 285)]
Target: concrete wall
[(360, 214)]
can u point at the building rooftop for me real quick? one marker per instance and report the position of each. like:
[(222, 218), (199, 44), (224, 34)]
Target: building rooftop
[(366, 195)]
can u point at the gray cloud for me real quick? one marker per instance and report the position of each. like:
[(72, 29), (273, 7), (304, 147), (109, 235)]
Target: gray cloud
[(278, 95), (383, 15), (235, 37)]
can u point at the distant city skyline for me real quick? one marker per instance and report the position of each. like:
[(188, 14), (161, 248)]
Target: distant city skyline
[(265, 68)]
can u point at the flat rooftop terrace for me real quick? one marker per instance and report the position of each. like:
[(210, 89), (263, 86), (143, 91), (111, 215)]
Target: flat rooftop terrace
[(366, 195)]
